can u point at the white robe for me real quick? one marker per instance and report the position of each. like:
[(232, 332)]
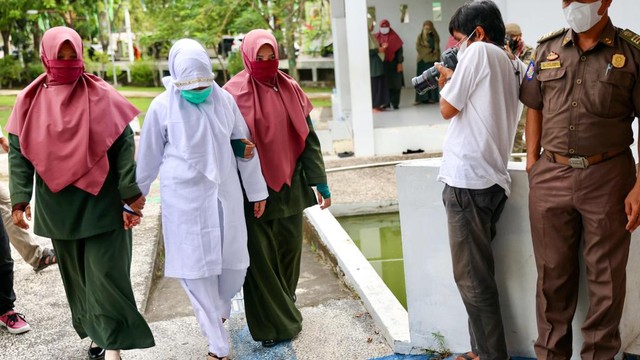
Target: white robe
[(202, 221)]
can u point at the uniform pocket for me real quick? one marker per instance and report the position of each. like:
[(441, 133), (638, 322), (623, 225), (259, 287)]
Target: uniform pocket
[(610, 97), (552, 87)]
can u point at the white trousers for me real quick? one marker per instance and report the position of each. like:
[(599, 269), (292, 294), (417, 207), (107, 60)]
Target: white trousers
[(211, 301)]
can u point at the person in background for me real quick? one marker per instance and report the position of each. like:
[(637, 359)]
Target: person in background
[(31, 252), (481, 99), (14, 322), (583, 93), (428, 48), (69, 129), (186, 138), (515, 45), (379, 89), (393, 59), (277, 113)]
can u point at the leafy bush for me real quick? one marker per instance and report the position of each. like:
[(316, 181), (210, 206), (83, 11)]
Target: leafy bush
[(142, 73), (234, 63), (10, 70), (32, 70)]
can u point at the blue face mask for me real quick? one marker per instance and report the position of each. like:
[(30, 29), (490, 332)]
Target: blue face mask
[(196, 96)]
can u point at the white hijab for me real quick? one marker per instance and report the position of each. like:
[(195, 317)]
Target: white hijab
[(200, 132)]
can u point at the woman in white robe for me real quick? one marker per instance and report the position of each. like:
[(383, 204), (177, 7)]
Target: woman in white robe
[(186, 139)]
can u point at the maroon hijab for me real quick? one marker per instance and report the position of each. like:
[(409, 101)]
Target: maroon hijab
[(65, 129), (392, 39), (276, 118)]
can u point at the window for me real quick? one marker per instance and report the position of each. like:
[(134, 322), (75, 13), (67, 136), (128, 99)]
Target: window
[(404, 13), (437, 11)]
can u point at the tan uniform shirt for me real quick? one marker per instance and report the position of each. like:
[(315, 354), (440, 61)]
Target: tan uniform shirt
[(588, 99)]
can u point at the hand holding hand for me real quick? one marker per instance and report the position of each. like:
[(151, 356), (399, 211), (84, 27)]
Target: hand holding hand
[(18, 217), (258, 208), (130, 220), (138, 205), (248, 149)]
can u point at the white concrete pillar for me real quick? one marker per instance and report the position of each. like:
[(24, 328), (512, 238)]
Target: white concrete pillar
[(341, 61), (353, 81), (359, 77)]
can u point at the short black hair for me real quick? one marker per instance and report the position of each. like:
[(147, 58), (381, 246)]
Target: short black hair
[(483, 13)]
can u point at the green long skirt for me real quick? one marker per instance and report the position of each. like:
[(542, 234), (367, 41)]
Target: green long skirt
[(96, 276), (275, 248)]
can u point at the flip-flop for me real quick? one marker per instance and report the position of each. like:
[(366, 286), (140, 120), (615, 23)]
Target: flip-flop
[(48, 258), (468, 356), (95, 352)]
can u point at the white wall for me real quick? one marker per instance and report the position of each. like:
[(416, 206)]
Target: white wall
[(433, 300)]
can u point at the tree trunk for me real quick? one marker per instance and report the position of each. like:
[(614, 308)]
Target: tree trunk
[(291, 52), (6, 33), (37, 37)]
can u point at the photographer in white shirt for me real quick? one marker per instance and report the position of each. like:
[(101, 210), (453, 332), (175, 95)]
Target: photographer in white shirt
[(480, 97)]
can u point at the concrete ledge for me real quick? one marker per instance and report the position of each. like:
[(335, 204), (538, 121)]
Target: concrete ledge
[(364, 208), (386, 310)]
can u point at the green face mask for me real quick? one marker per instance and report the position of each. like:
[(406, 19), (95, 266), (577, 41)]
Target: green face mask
[(196, 96)]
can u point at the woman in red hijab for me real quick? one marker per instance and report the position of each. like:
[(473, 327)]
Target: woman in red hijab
[(393, 59), (277, 113), (71, 129)]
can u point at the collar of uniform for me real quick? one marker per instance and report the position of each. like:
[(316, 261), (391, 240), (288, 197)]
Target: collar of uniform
[(607, 36)]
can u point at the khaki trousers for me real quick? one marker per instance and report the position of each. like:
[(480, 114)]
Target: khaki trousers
[(568, 208), (24, 243)]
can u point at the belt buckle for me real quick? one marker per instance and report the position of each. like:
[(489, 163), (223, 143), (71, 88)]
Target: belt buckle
[(578, 162)]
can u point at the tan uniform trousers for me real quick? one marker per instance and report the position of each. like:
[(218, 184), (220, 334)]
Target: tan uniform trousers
[(24, 243), (568, 206)]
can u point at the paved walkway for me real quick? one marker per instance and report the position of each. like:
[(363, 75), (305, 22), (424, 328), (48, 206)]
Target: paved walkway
[(336, 324)]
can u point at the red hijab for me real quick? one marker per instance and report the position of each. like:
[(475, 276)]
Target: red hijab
[(276, 118), (65, 129), (394, 43)]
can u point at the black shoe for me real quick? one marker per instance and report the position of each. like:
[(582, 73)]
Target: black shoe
[(269, 343), (95, 353)]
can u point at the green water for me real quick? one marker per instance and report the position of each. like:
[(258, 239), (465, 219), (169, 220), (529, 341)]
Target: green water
[(378, 237)]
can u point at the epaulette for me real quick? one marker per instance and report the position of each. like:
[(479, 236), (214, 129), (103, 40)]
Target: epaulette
[(551, 35), (630, 37)]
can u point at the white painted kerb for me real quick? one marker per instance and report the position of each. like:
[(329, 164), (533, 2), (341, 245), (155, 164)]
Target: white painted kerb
[(383, 306), (433, 300)]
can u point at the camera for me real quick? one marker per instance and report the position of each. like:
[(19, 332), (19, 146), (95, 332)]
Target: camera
[(429, 78)]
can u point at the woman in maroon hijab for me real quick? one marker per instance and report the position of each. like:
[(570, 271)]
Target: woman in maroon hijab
[(71, 129), (277, 113), (393, 59)]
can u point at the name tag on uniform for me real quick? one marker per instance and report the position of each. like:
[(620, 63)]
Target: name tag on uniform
[(550, 65)]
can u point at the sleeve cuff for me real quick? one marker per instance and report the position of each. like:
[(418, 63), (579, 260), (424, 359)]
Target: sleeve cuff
[(19, 206), (131, 192)]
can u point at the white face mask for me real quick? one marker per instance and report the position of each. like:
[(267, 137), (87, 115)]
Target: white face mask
[(384, 30), (462, 45), (582, 17)]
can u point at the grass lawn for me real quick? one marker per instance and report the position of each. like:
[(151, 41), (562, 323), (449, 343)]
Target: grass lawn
[(142, 103)]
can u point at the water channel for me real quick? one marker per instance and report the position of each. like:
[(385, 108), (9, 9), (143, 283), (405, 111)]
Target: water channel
[(378, 237)]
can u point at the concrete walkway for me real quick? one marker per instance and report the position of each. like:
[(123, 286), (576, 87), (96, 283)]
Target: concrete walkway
[(336, 325)]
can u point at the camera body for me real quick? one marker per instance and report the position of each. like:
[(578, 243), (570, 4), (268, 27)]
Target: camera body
[(429, 78)]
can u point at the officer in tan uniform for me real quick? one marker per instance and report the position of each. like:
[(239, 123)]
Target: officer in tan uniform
[(514, 43), (583, 92)]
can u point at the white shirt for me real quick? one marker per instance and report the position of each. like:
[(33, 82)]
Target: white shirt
[(485, 89)]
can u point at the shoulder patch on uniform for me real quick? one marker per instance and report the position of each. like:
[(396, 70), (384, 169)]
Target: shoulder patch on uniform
[(630, 37), (551, 35)]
